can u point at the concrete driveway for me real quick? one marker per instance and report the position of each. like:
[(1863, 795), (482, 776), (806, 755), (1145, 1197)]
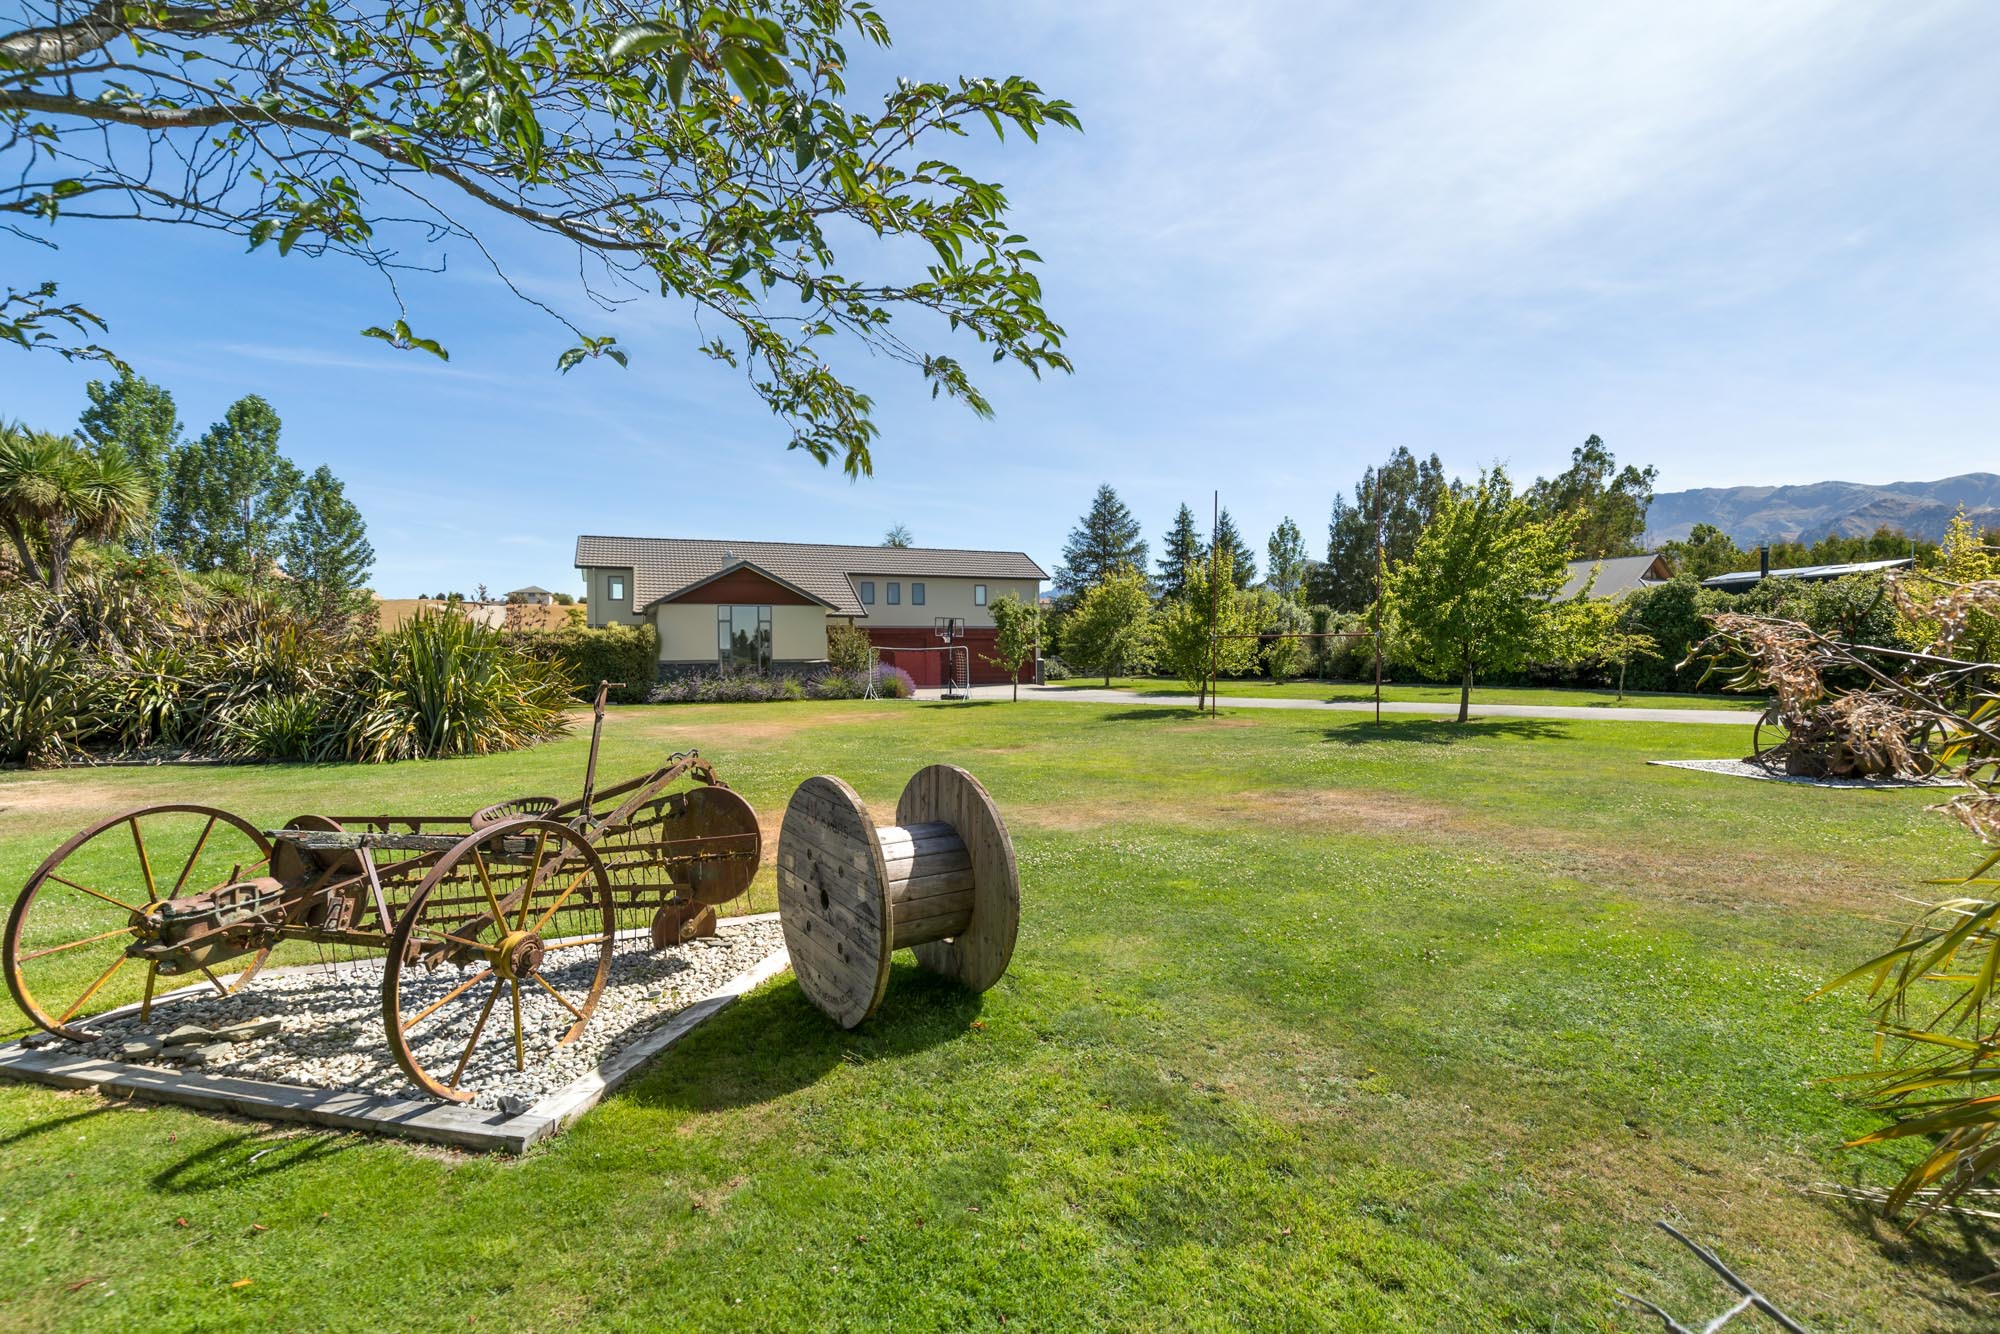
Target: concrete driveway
[(1582, 713)]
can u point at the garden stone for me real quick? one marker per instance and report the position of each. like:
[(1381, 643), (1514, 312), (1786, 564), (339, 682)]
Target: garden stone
[(144, 1049), (330, 1035)]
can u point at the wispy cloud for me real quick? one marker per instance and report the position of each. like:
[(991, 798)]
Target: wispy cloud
[(391, 362)]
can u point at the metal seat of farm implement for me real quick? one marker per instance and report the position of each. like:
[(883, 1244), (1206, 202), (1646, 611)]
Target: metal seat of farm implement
[(509, 810)]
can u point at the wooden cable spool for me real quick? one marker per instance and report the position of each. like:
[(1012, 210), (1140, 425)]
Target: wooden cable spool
[(941, 880)]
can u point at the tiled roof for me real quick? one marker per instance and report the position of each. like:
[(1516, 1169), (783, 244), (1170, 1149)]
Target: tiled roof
[(663, 566)]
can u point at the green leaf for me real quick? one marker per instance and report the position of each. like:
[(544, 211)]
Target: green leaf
[(645, 38)]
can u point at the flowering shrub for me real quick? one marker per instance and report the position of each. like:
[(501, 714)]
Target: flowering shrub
[(894, 682), (754, 688)]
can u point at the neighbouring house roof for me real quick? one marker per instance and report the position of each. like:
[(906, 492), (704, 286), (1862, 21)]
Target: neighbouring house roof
[(663, 567), (1742, 579), (1617, 575), (530, 589)]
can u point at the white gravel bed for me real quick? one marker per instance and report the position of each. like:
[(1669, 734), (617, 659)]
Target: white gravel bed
[(1749, 769), (331, 1033)]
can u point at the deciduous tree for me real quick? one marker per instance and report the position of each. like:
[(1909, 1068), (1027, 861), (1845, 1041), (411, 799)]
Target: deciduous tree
[(1201, 631), (1477, 593), (1707, 552), (1017, 633), (1285, 566), (1112, 627), (136, 417), (710, 155), (1609, 502)]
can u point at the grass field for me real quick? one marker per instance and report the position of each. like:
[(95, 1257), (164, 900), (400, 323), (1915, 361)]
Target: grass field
[(1426, 694), (1312, 1024)]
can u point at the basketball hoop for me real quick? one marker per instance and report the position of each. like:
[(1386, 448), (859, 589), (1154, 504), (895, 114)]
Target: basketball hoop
[(948, 629)]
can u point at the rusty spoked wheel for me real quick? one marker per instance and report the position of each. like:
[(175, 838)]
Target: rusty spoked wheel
[(65, 948), (1768, 733), (518, 919)]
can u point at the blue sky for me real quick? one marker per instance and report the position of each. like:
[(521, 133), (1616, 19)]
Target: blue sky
[(1745, 243)]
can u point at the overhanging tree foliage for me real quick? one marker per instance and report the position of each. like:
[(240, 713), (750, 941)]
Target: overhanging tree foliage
[(699, 152)]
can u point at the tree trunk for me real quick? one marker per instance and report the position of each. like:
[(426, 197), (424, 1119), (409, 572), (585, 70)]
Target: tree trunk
[(1621, 680), (60, 543), (1465, 693), (19, 537)]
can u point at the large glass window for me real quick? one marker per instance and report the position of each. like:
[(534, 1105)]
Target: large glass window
[(867, 592), (895, 593), (743, 638), (916, 595)]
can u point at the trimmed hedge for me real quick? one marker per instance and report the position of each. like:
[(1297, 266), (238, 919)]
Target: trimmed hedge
[(616, 653)]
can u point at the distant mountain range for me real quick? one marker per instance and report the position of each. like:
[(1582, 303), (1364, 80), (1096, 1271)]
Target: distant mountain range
[(1754, 514)]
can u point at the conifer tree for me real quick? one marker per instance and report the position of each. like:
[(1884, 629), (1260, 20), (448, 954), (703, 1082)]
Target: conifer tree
[(1181, 549), (229, 494), (1107, 538), (325, 549), (1242, 561)]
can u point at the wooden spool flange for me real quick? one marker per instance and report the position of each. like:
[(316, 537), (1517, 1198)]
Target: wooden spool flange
[(941, 880)]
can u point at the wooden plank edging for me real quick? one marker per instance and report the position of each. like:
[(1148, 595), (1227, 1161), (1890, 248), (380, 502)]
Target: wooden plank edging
[(346, 1109)]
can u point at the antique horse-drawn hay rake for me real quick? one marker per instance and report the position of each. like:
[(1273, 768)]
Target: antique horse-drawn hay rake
[(525, 897)]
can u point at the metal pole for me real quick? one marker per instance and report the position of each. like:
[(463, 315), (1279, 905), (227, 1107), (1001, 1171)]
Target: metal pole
[(1378, 601), (596, 731), (1214, 598)]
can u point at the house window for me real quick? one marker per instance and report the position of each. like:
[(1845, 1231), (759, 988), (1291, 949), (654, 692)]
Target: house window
[(867, 592), (895, 593), (743, 638), (979, 595), (916, 595), (614, 588)]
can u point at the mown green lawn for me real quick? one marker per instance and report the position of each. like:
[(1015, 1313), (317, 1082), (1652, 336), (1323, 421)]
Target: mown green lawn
[(1426, 694), (1312, 1024)]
